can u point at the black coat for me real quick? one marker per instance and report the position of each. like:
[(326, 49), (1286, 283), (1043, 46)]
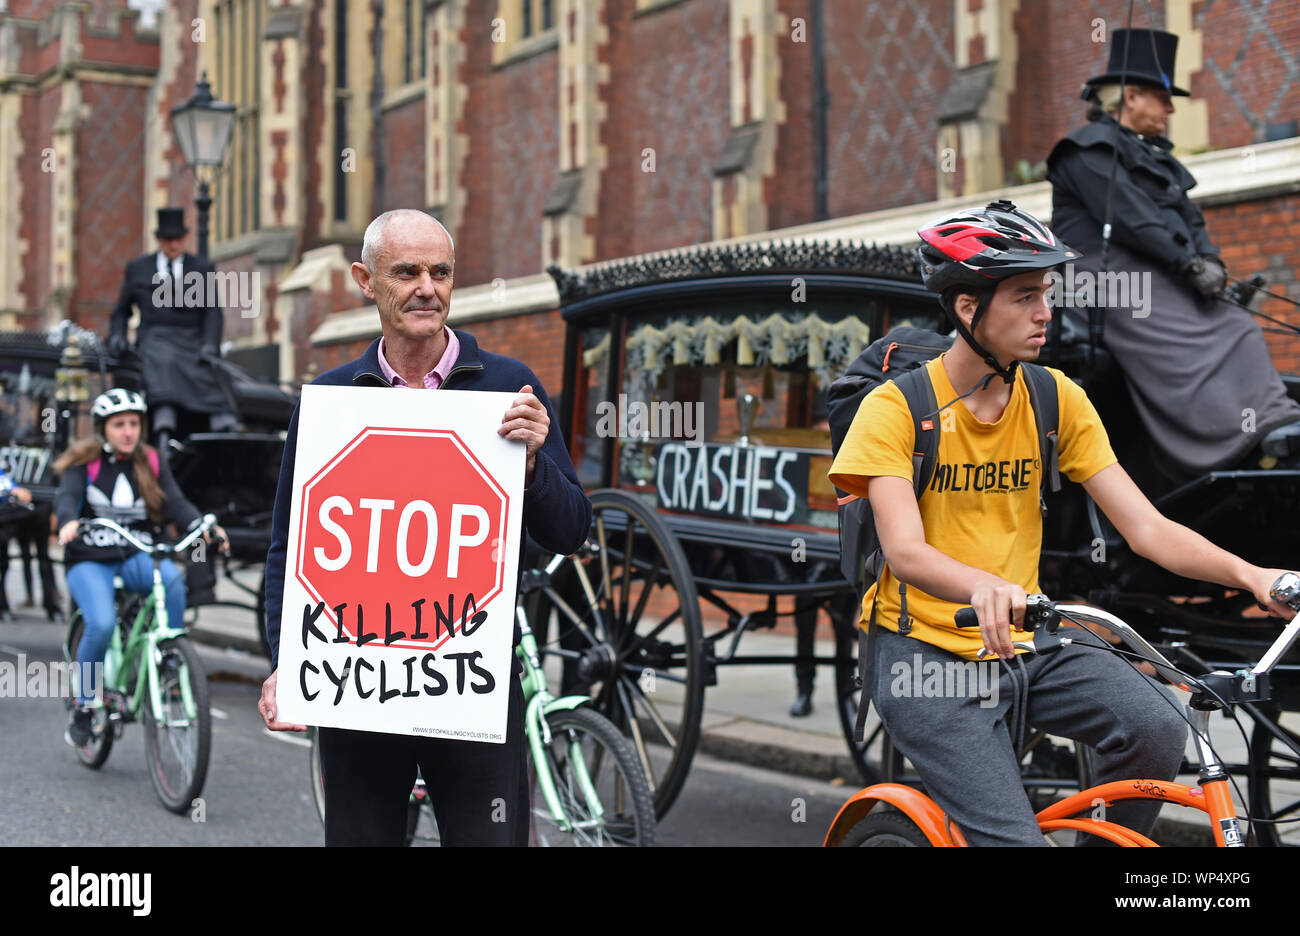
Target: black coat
[(1153, 216), (170, 334), (1198, 370)]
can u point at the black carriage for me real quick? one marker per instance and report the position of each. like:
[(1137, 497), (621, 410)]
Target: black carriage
[(679, 567), (47, 380)]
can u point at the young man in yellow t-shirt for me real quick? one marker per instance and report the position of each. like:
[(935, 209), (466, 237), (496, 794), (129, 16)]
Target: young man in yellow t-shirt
[(974, 539)]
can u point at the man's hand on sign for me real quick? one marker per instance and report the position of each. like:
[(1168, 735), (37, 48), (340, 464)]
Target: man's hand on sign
[(266, 706), (526, 420)]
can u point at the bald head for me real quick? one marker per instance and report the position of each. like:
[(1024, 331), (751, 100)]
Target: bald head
[(372, 244)]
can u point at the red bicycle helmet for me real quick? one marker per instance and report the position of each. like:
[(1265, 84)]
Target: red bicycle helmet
[(980, 247)]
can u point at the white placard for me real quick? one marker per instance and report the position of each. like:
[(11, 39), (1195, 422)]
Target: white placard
[(403, 556)]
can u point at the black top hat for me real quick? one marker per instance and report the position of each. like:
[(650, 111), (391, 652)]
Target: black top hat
[(171, 223), (1151, 54)]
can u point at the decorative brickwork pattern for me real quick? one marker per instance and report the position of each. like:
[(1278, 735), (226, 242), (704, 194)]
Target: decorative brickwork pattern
[(886, 65), (1251, 75), (670, 93), (513, 158)]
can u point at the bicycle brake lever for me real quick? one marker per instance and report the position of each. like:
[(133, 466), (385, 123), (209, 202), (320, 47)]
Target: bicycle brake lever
[(1015, 644), (1043, 642)]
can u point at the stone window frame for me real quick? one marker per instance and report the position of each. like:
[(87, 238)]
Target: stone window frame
[(540, 36), (236, 78)]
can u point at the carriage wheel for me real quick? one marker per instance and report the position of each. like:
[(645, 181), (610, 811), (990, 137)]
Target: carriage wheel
[(1274, 775), (628, 628)]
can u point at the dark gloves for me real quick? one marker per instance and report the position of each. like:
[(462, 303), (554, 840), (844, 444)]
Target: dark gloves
[(207, 352), (116, 345), (1205, 274)]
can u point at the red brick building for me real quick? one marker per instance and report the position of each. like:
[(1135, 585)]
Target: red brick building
[(581, 131)]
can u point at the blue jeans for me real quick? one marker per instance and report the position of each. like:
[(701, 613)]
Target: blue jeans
[(91, 586)]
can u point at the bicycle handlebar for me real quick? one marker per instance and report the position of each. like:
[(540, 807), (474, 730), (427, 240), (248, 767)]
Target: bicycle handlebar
[(208, 522), (1043, 617)]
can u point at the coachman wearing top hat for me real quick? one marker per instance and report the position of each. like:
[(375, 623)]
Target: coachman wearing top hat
[(171, 339), (1196, 364)]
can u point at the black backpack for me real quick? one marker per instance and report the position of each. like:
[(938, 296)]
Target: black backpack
[(899, 357)]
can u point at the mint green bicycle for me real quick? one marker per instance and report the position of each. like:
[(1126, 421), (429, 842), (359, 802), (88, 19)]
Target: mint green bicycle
[(152, 674), (587, 787)]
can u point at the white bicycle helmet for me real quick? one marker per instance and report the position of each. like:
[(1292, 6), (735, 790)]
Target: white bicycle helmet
[(110, 403)]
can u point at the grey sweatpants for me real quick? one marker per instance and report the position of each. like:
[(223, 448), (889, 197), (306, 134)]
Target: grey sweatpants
[(957, 728)]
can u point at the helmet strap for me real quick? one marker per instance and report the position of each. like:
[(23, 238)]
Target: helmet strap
[(1007, 373)]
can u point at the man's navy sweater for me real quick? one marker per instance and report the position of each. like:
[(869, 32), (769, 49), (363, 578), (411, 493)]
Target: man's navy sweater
[(557, 513)]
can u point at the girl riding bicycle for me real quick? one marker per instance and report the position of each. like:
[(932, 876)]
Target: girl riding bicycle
[(114, 475)]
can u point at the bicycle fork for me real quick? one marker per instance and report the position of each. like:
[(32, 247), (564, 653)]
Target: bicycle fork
[(163, 630), (1213, 781), (540, 701)]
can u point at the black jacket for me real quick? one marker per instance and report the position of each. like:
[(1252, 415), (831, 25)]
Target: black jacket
[(1152, 214), (114, 495), (557, 513), (138, 288)]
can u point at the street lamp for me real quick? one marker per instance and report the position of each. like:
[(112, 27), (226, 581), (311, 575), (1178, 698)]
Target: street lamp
[(203, 128)]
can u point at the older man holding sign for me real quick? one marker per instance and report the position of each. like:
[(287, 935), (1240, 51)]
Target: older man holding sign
[(395, 553)]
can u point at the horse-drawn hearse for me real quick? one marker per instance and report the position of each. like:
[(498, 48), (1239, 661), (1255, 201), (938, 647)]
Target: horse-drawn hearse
[(47, 380), (694, 404)]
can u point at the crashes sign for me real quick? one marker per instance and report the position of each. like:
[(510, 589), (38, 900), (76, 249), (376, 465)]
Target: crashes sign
[(403, 551)]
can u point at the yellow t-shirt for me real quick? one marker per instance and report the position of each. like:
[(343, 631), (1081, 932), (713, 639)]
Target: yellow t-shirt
[(981, 507)]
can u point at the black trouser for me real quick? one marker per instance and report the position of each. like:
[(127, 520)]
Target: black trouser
[(478, 790)]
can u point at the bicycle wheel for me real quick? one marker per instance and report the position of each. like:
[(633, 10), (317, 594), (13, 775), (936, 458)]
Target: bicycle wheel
[(421, 823), (885, 828), (1274, 775), (582, 740), (629, 627), (176, 749), (97, 750)]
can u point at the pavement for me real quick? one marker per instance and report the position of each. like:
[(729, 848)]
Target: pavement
[(746, 715)]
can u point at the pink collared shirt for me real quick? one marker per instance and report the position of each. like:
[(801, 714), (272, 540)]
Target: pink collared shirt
[(435, 378)]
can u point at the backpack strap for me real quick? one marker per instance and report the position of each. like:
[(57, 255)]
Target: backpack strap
[(918, 391), (153, 460), (1047, 416), (919, 394)]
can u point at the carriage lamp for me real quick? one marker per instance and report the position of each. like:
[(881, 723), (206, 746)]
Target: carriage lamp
[(203, 128), (71, 377)]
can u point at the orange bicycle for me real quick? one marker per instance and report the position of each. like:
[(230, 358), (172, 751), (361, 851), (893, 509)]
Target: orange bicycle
[(917, 820)]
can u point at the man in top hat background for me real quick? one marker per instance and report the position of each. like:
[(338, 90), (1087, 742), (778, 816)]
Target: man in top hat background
[(171, 337), (1197, 368)]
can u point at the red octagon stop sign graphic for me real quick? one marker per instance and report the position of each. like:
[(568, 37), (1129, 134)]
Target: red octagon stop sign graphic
[(408, 519)]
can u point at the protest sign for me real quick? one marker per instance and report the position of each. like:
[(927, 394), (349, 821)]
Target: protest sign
[(403, 558)]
